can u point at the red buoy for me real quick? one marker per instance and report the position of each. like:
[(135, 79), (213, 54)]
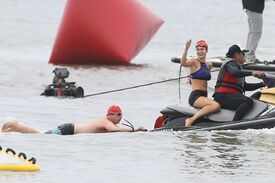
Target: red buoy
[(103, 32)]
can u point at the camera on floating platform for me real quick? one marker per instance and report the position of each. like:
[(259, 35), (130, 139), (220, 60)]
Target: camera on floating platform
[(60, 87), (60, 75)]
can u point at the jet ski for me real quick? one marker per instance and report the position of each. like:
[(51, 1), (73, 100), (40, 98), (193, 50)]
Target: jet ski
[(173, 118), (62, 88), (262, 115)]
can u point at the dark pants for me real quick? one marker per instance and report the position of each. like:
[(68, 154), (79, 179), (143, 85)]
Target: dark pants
[(238, 102)]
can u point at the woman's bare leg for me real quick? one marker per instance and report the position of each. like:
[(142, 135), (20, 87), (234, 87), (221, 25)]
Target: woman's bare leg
[(207, 106)]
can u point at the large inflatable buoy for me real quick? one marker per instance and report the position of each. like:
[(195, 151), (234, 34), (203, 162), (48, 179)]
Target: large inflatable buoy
[(9, 161), (103, 32)]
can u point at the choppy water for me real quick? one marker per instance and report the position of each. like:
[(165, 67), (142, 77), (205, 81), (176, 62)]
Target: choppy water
[(27, 33)]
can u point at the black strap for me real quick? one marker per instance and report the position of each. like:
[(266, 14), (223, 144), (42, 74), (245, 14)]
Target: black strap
[(130, 125), (10, 150), (32, 160), (23, 155)]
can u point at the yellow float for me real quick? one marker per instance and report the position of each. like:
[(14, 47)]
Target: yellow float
[(16, 162), (268, 95)]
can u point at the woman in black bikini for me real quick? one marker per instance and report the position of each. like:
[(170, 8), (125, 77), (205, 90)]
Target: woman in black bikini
[(200, 74)]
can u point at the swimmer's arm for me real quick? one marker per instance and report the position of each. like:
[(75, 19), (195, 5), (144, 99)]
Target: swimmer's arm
[(113, 128), (110, 127)]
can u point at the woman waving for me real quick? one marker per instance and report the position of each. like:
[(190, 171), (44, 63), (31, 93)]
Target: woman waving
[(200, 74)]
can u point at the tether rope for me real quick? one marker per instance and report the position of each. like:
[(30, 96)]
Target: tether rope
[(139, 86), (179, 82)]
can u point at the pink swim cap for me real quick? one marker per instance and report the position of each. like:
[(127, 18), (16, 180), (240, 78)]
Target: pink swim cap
[(202, 43)]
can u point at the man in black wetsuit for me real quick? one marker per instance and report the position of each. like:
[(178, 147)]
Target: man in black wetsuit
[(230, 86)]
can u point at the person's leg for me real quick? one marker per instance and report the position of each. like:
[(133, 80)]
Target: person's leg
[(246, 105), (207, 106), (14, 126), (228, 101), (255, 22), (238, 102), (248, 39)]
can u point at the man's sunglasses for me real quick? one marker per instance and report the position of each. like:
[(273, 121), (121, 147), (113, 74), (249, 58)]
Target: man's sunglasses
[(117, 113)]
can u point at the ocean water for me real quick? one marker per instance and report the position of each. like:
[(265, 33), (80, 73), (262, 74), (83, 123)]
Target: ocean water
[(27, 32)]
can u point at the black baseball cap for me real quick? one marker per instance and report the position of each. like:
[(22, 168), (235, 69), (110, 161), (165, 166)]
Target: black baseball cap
[(235, 49)]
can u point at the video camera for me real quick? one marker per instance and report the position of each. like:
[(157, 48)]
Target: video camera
[(60, 87), (60, 75)]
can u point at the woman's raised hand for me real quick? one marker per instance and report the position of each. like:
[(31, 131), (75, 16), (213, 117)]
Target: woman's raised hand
[(188, 44)]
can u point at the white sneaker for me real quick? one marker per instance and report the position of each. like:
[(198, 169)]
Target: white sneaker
[(250, 59)]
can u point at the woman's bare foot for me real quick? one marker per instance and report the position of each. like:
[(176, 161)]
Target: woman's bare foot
[(188, 122)]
